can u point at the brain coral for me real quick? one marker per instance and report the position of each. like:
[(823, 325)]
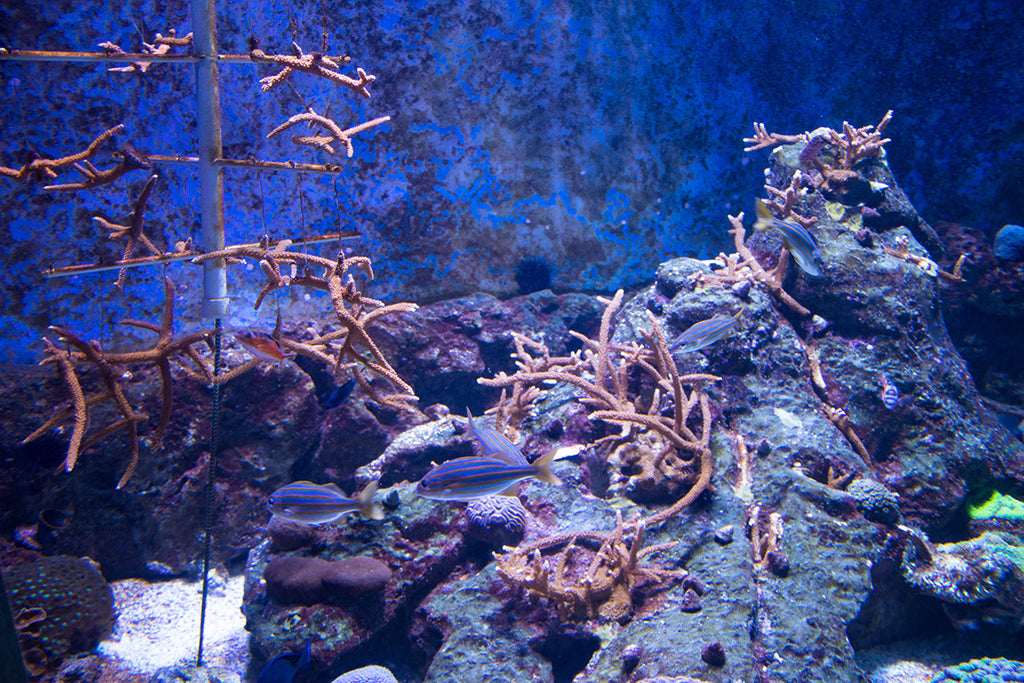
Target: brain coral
[(498, 520), (876, 502), (367, 674), (61, 606), (1009, 244)]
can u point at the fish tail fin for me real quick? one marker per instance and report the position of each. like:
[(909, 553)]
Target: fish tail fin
[(367, 508), (543, 468), (470, 429), (764, 216)]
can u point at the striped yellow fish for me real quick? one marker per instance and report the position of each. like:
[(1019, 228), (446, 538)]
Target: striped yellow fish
[(469, 478), (705, 333), (493, 444), (308, 503), (796, 238)]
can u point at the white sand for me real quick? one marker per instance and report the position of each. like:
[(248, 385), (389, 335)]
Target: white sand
[(158, 626)]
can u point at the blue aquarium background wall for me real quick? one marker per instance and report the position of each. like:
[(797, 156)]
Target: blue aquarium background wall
[(601, 137)]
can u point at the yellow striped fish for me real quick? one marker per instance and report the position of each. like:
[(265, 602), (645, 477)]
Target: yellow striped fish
[(705, 333), (493, 444), (794, 236), (308, 503), (469, 478)]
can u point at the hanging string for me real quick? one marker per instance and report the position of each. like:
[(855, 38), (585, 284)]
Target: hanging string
[(263, 206), (302, 211), (337, 204), (211, 469), (323, 28)]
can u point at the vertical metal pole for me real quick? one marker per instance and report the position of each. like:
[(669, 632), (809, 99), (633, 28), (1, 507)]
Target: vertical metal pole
[(211, 204), (211, 187)]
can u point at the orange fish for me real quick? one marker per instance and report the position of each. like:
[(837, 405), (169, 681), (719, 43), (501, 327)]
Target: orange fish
[(262, 345)]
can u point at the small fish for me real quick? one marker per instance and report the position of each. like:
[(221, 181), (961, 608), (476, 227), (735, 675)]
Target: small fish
[(338, 396), (705, 333), (262, 345), (308, 503), (290, 667), (494, 445), (796, 238), (466, 479), (890, 394)]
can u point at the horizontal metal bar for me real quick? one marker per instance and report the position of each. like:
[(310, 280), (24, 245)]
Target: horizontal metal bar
[(118, 265), (84, 268), (9, 55), (248, 163), (12, 55)]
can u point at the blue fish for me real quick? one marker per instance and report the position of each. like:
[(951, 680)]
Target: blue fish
[(796, 238), (493, 444), (466, 479), (308, 503), (338, 396), (890, 394), (290, 667), (705, 333)]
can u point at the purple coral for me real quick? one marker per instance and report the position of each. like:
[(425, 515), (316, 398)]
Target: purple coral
[(312, 580), (497, 520)]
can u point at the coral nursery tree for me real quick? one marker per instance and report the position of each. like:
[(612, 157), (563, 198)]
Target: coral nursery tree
[(101, 402)]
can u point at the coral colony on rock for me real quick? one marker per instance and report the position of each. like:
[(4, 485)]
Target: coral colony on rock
[(793, 461)]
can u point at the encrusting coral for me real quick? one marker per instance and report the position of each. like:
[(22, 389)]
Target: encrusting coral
[(594, 573), (61, 606)]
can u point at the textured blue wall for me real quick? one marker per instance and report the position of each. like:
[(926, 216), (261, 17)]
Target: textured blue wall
[(601, 136)]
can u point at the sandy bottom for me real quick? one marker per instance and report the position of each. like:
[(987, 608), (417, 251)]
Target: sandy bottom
[(158, 626)]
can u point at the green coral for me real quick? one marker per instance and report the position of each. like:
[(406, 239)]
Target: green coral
[(996, 506)]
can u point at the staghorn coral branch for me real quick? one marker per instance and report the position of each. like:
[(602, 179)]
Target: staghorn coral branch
[(40, 168), (133, 231), (770, 280), (336, 133), (165, 350), (131, 160), (314, 64), (762, 138), (353, 309), (614, 570)]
